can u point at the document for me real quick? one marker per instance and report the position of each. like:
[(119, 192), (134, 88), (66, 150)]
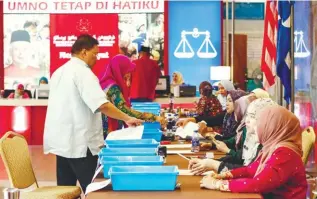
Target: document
[(131, 133)]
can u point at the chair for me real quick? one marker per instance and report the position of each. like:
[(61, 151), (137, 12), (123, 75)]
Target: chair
[(15, 155), (308, 141)]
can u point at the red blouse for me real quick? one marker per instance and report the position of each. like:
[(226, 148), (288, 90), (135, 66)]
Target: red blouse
[(283, 177)]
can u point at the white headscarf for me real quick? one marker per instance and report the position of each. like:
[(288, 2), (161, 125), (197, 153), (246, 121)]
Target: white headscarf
[(252, 141), (227, 84), (260, 93)]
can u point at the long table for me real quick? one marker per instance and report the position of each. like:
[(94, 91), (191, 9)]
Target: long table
[(189, 187)]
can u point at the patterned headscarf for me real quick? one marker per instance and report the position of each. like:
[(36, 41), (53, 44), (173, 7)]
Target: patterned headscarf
[(252, 142)]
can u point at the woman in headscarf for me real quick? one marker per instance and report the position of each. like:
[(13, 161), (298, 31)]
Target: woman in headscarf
[(177, 80), (278, 172), (260, 93), (208, 105), (19, 93), (43, 80), (116, 83), (224, 119), (223, 87), (252, 145), (232, 147), (229, 123)]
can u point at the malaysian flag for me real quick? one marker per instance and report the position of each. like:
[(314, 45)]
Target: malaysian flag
[(284, 47), (268, 63)]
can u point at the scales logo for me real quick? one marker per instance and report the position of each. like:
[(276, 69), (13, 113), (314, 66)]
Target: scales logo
[(299, 45), (184, 49)]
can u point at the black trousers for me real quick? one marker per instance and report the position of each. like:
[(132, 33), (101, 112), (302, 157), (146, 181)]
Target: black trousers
[(69, 170)]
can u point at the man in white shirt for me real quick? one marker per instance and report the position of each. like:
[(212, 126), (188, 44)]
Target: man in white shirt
[(73, 126)]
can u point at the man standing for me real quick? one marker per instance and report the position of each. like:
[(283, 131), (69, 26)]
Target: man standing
[(73, 126), (144, 77)]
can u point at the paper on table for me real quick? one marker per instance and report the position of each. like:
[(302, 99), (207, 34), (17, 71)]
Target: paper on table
[(188, 130), (131, 133), (186, 172), (178, 146), (97, 186), (179, 152)]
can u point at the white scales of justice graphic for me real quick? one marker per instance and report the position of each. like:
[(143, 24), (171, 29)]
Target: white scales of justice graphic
[(299, 45), (206, 50)]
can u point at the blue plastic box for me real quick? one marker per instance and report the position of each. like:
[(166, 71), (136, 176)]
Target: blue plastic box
[(151, 125), (128, 152), (152, 134), (143, 178), (146, 143), (109, 161)]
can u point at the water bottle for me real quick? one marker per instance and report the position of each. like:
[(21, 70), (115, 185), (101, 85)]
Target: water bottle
[(195, 142)]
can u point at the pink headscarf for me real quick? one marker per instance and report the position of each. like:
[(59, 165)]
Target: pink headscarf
[(278, 127), (119, 66)]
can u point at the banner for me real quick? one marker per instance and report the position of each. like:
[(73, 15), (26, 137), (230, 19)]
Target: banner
[(194, 39), (83, 6), (26, 49), (63, 35)]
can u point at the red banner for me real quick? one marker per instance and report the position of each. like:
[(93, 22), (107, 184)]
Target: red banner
[(66, 27)]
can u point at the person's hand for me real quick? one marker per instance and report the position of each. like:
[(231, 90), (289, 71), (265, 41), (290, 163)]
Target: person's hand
[(209, 182), (202, 128), (221, 146), (205, 146), (161, 120), (134, 122), (185, 121), (197, 166), (222, 176)]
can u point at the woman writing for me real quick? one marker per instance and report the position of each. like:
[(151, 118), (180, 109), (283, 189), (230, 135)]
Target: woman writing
[(116, 83), (278, 172)]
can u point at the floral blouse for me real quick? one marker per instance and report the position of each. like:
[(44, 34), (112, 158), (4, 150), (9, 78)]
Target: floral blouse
[(115, 96), (209, 106)]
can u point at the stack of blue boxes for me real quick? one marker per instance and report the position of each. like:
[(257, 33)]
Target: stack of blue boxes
[(151, 129), (134, 165)]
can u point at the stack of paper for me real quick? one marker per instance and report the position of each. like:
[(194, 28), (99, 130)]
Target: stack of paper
[(131, 133)]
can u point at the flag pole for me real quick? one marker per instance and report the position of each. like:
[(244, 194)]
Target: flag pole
[(292, 66)]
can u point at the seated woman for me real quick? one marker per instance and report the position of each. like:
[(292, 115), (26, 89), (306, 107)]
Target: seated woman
[(223, 87), (177, 80), (43, 80), (229, 123), (19, 93), (278, 172), (232, 147), (115, 83), (224, 119), (208, 105)]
